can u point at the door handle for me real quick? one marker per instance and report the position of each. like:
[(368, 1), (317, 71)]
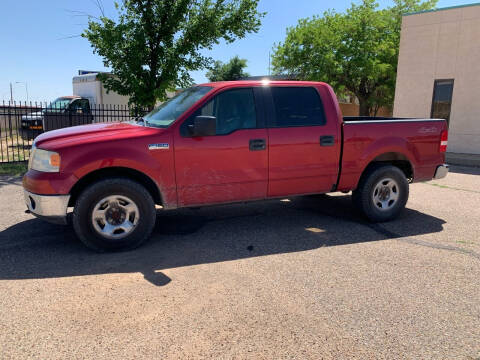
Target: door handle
[(327, 140), (257, 144)]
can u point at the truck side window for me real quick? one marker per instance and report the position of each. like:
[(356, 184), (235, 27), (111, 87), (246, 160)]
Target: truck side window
[(234, 110), (74, 106), (80, 106), (297, 106), (85, 105)]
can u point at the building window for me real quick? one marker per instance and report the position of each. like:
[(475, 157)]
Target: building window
[(442, 99)]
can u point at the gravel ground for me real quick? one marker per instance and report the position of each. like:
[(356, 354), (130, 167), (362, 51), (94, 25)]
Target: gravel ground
[(305, 278)]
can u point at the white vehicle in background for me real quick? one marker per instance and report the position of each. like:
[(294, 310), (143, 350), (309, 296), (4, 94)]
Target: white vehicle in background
[(88, 85)]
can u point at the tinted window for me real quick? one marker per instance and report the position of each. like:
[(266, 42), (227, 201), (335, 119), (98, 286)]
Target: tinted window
[(75, 107), (297, 106), (442, 99), (233, 109), (81, 106)]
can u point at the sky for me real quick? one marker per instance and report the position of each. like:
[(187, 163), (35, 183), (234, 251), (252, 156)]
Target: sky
[(41, 49)]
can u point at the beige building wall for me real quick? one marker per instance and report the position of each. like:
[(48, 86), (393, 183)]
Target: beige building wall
[(442, 44)]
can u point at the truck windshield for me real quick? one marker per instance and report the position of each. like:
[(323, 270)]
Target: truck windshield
[(59, 104), (171, 110)]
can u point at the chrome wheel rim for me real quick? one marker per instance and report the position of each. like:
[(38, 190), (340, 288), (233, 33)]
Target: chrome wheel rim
[(115, 217), (385, 194)]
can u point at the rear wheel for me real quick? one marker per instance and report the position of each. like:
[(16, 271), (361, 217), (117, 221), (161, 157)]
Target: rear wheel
[(114, 214), (382, 193)]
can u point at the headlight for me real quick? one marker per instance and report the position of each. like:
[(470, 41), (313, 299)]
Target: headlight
[(43, 160)]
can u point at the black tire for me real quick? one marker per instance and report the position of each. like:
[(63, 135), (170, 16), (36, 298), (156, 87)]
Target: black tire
[(364, 196), (83, 222)]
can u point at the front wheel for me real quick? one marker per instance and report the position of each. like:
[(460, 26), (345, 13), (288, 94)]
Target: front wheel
[(114, 214), (382, 193)]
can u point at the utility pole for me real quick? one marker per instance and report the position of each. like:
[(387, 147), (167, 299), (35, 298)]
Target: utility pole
[(26, 86), (11, 93)]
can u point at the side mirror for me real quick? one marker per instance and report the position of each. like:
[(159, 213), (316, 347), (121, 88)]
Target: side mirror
[(203, 126)]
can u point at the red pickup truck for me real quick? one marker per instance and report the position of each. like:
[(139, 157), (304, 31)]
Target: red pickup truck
[(227, 142)]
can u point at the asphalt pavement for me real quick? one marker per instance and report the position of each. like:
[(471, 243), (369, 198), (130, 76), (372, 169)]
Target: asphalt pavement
[(297, 278)]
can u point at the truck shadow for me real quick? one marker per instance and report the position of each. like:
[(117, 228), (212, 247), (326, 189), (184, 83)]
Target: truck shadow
[(34, 249)]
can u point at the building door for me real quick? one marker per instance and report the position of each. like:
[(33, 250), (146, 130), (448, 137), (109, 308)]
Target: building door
[(442, 99)]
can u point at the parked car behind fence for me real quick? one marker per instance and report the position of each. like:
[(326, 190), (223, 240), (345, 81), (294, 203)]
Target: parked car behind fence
[(21, 122)]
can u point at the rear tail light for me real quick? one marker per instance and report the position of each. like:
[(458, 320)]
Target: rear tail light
[(443, 141)]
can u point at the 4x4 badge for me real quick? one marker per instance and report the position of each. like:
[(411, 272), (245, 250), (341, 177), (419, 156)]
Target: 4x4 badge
[(161, 146)]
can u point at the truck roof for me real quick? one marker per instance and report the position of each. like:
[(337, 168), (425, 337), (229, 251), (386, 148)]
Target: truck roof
[(221, 84), (70, 97)]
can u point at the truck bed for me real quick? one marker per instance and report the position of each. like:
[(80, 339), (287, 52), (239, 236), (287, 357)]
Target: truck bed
[(409, 140)]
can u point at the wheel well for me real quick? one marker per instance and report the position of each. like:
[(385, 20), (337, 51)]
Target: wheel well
[(395, 159), (128, 173)]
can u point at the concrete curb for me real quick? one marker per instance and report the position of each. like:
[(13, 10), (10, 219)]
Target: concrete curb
[(463, 159)]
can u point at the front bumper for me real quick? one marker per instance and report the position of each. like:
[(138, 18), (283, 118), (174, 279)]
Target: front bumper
[(441, 172), (52, 208)]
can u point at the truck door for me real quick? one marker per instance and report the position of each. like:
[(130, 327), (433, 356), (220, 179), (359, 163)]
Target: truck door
[(303, 146), (79, 113), (231, 165), (55, 117)]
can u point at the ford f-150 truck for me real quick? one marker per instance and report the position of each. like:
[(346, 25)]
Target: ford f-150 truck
[(227, 142)]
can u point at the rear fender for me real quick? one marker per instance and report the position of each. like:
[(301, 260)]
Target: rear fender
[(354, 167)]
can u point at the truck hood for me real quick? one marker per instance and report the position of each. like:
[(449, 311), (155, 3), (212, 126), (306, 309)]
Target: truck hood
[(76, 135)]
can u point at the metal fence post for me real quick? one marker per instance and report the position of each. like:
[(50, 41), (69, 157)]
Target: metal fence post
[(10, 121)]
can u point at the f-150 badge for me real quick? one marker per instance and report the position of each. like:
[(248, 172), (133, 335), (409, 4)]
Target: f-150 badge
[(428, 130), (161, 146)]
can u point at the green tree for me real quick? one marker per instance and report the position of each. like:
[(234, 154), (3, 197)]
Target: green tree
[(233, 70), (356, 52), (154, 44)]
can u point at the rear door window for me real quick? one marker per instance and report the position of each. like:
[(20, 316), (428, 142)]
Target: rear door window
[(297, 106)]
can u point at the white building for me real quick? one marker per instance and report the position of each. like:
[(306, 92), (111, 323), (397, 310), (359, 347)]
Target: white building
[(439, 72), (86, 84)]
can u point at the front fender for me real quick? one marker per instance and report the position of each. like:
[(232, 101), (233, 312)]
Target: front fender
[(160, 172)]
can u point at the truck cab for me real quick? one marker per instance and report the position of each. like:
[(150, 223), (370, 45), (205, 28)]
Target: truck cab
[(227, 142)]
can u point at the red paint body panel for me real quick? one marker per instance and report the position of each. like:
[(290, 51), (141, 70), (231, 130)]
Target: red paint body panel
[(221, 169), (48, 183), (84, 149), (417, 141), (297, 162)]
